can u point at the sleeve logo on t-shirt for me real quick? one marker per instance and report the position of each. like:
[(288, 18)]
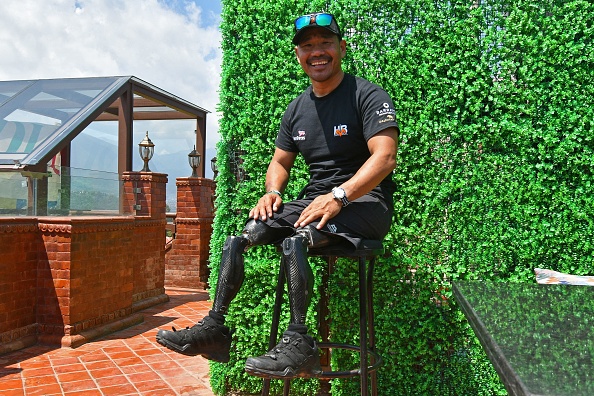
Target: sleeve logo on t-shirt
[(389, 118), (340, 130), (386, 110), (300, 136), (386, 113)]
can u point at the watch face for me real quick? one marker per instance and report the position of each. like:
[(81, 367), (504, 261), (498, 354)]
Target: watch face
[(339, 193)]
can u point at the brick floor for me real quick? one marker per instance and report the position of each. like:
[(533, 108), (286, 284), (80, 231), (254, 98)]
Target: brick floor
[(128, 362)]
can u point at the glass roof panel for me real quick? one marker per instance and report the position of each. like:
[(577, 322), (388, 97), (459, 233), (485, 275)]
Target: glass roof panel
[(38, 118), (8, 89), (32, 113)]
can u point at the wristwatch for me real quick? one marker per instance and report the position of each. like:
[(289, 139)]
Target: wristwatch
[(340, 194)]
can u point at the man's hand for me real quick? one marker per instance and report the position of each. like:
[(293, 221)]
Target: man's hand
[(266, 206), (324, 207), (277, 178)]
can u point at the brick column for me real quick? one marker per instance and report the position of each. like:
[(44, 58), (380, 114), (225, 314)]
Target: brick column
[(145, 195), (187, 262)]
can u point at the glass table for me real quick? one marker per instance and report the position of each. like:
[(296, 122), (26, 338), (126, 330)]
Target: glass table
[(540, 338)]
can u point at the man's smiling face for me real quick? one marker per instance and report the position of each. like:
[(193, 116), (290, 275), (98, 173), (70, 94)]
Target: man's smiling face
[(320, 54)]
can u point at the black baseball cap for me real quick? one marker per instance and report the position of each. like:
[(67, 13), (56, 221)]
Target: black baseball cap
[(319, 19)]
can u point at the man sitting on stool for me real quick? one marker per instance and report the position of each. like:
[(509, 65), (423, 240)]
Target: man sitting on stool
[(345, 128)]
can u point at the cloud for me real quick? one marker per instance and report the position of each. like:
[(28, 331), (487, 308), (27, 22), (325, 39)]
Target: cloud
[(166, 46)]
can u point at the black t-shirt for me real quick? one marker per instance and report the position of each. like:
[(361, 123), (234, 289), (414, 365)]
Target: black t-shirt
[(331, 133)]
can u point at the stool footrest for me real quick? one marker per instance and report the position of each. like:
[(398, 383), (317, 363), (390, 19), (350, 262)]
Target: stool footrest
[(350, 373)]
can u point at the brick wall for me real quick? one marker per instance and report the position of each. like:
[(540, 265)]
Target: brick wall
[(187, 261), (66, 280), (19, 245), (85, 278)]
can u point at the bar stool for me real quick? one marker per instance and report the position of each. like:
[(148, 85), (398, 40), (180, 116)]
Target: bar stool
[(368, 250)]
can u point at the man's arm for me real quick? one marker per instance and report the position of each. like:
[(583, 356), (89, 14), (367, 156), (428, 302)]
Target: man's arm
[(383, 147), (277, 177)]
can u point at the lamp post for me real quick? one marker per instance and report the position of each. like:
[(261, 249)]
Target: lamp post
[(194, 160), (146, 149)]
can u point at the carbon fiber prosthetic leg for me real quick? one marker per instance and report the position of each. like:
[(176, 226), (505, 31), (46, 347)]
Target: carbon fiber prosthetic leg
[(299, 276), (296, 354), (231, 271)]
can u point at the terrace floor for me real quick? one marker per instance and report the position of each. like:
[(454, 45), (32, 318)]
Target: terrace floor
[(128, 362)]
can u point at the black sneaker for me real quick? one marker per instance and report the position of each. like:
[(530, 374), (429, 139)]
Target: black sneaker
[(296, 355), (206, 338)]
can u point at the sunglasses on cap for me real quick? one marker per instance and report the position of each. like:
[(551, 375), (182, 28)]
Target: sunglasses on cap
[(320, 19)]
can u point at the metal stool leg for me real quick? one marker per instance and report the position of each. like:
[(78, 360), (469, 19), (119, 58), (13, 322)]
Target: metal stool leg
[(278, 302), (363, 324), (371, 322)]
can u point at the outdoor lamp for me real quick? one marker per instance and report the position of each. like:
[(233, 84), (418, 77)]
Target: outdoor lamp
[(146, 148), (194, 160), (213, 166)]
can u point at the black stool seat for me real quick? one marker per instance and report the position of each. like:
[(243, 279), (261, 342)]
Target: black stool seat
[(368, 250)]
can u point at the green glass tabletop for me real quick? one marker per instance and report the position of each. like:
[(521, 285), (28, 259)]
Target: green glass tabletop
[(540, 338)]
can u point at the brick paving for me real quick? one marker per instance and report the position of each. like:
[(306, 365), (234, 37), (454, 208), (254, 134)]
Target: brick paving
[(128, 362)]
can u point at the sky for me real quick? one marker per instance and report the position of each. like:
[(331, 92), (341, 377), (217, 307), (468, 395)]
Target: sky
[(172, 44)]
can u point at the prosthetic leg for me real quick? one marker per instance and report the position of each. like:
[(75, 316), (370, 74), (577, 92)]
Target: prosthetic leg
[(231, 271), (299, 278), (210, 337), (297, 354), (298, 271)]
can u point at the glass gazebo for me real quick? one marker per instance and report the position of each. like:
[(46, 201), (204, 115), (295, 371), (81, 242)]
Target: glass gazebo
[(40, 119)]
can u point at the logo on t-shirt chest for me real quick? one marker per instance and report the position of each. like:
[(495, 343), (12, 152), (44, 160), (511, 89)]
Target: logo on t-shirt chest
[(340, 130)]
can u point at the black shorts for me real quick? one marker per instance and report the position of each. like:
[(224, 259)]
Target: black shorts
[(365, 218)]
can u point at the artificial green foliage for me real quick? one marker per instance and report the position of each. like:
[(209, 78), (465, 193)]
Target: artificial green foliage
[(496, 104)]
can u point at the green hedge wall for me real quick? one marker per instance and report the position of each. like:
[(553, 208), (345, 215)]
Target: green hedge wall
[(495, 99)]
